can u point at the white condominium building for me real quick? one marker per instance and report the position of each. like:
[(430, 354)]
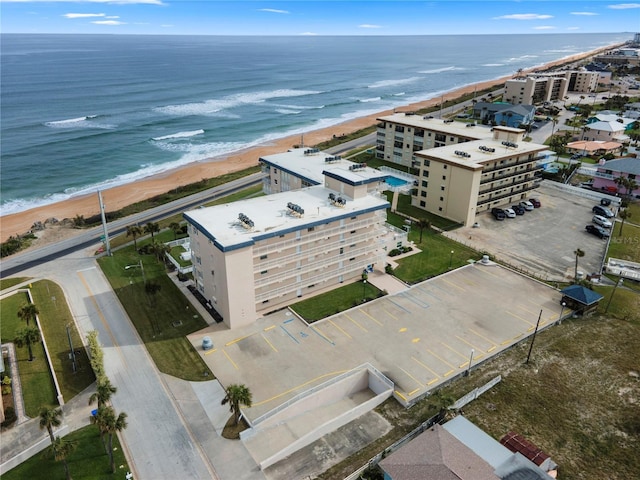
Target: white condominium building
[(263, 253)]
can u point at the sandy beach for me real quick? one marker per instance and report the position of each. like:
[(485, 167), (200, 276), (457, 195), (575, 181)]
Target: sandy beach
[(118, 197)]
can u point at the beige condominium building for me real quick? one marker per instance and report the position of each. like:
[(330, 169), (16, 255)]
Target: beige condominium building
[(401, 135), (535, 89), (263, 253), (460, 181)]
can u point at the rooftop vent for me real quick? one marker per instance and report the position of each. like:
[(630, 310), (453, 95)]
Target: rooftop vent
[(295, 210), (337, 201), (510, 144), (245, 221), (311, 151), (462, 154), (487, 149), (449, 120), (357, 166), (333, 159)]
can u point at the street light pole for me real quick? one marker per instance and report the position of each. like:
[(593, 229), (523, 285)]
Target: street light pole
[(561, 312), (469, 366), (619, 282), (364, 290), (533, 339), (450, 259)]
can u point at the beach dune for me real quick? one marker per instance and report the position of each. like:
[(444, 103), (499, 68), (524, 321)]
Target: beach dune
[(121, 196)]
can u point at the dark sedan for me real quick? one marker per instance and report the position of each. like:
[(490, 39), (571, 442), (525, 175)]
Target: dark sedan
[(597, 231)]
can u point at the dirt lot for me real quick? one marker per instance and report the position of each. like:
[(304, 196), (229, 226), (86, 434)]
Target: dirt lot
[(542, 241)]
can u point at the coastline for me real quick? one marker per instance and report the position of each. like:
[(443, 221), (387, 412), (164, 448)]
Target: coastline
[(123, 195)]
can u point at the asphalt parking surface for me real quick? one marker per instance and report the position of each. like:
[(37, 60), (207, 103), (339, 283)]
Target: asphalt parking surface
[(541, 241)]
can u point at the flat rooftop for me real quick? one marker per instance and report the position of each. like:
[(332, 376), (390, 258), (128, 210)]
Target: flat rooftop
[(439, 125), (272, 217), (311, 166), (469, 154)]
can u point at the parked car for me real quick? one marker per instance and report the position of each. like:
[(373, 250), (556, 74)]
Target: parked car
[(518, 209), (527, 205), (498, 213), (602, 221), (535, 202), (597, 231), (605, 202), (603, 211), (509, 213)]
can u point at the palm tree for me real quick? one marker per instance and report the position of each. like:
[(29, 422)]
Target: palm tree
[(621, 182), (152, 227), (631, 186), (100, 420), (27, 312), (579, 254), (624, 215), (113, 424), (60, 449), (49, 418), (175, 226), (27, 336), (134, 231), (237, 395), (159, 250), (104, 391), (423, 224)]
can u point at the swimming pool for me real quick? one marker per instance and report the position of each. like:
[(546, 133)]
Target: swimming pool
[(395, 181)]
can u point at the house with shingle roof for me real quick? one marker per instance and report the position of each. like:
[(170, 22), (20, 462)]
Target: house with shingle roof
[(612, 131), (607, 173), (504, 114)]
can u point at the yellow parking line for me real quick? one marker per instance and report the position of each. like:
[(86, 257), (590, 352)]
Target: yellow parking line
[(270, 344), (479, 355), (432, 381), (441, 359), (211, 351), (520, 318), (397, 392), (346, 334), (415, 340), (491, 349), (390, 314), (331, 374), (237, 340), (483, 337), (526, 310), (424, 366), (402, 330), (356, 323), (448, 373), (269, 328), (365, 313), (413, 391), (453, 350), (453, 284), (462, 365), (411, 377), (229, 358)]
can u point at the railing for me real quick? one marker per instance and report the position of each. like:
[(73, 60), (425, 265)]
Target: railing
[(506, 185), (608, 176), (515, 164), (499, 197)]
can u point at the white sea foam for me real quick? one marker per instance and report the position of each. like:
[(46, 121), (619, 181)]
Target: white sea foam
[(372, 99), (399, 94), (394, 82), (285, 111), (209, 107), (79, 122), (493, 65), (179, 135), (520, 58), (440, 70)]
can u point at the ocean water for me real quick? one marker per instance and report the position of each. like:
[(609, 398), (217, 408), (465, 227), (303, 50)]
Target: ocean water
[(87, 112)]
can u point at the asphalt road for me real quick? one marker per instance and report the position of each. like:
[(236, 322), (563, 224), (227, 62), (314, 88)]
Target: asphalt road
[(91, 237)]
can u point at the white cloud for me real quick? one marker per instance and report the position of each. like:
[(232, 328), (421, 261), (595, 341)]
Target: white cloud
[(108, 22), (586, 14), (367, 25), (624, 6), (523, 16), (83, 15), (308, 34), (544, 27), (273, 10), (112, 16)]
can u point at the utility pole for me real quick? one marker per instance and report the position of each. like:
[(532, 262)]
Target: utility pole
[(107, 246), (533, 339)]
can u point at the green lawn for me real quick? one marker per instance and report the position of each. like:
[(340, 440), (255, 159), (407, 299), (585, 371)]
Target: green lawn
[(434, 259), (35, 377), (162, 320), (335, 301), (55, 316), (88, 461), (176, 253), (404, 206), (10, 282), (627, 245)]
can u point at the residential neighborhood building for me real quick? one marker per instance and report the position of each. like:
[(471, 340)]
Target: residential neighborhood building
[(504, 114), (263, 253), (610, 131), (620, 56), (606, 175), (535, 89), (400, 135), (460, 181), (460, 450), (594, 148)]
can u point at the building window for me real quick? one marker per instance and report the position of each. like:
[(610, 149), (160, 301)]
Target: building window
[(442, 188), (311, 229), (263, 257), (426, 163), (423, 203), (440, 209), (263, 272), (444, 177), (275, 170), (352, 231), (442, 199), (425, 173), (425, 183), (275, 182), (341, 250), (353, 218), (352, 259), (444, 166), (423, 194)]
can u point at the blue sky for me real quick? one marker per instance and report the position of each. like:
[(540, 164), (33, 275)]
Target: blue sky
[(329, 17)]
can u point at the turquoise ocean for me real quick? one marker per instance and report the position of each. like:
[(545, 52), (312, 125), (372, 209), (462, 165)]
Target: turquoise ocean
[(86, 112)]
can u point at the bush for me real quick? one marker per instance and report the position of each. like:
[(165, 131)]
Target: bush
[(394, 252), (388, 269), (6, 389), (10, 417)]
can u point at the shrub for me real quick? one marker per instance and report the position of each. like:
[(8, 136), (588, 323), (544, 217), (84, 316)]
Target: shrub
[(6, 389), (394, 252), (9, 417), (388, 269)]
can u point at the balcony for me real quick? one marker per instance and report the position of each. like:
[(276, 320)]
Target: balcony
[(502, 186), (608, 176), (515, 164), (536, 184)]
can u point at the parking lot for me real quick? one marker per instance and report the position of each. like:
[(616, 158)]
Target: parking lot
[(541, 241), (419, 338)]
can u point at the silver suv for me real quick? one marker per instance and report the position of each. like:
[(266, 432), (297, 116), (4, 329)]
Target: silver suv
[(602, 221)]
